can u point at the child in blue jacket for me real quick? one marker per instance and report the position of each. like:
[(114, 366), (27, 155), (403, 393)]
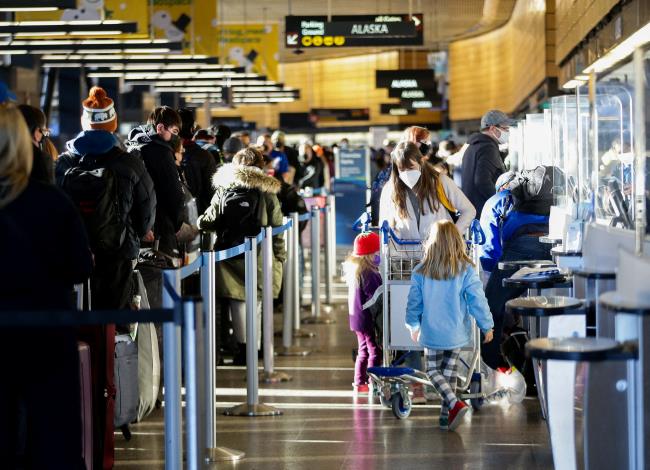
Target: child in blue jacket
[(445, 291)]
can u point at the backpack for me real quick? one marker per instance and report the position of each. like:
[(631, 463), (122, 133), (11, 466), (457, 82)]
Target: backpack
[(93, 187), (533, 191), (239, 216), (513, 349)]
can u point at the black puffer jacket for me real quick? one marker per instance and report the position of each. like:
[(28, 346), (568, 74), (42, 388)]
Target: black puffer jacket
[(137, 197), (199, 166), (158, 157), (482, 165)]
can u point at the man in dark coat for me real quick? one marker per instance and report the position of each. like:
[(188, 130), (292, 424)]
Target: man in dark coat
[(152, 140), (43, 167), (97, 147), (482, 162), (198, 164), (136, 198)]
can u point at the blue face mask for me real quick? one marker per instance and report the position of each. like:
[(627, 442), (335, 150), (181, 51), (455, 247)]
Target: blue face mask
[(376, 260)]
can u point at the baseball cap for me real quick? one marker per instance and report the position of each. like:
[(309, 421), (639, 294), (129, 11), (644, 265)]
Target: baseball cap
[(5, 93), (232, 145), (495, 117)]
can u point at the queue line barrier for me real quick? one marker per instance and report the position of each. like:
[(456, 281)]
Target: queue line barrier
[(193, 320)]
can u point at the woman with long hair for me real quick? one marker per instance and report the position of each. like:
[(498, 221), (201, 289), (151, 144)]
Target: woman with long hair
[(45, 252), (417, 196)]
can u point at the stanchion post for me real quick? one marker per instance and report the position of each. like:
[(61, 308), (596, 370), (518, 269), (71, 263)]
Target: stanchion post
[(331, 199), (316, 316), (289, 289), (268, 375), (328, 254), (191, 386), (172, 380), (213, 453), (252, 407), (298, 331)]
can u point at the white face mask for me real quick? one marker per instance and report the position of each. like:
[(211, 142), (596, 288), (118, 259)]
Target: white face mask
[(410, 177), (504, 137)]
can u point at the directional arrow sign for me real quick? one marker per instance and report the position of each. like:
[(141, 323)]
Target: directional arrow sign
[(416, 20), (292, 39)]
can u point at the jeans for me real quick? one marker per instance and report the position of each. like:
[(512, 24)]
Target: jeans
[(524, 247), (368, 356)]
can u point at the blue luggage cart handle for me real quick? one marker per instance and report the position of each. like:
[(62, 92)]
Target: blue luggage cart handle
[(388, 233)]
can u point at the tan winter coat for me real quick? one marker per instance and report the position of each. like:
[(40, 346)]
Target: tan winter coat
[(230, 273)]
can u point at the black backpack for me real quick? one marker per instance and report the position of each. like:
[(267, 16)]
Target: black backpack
[(93, 187), (533, 190), (239, 216)]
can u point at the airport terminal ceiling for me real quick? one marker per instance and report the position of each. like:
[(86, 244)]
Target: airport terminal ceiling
[(444, 20)]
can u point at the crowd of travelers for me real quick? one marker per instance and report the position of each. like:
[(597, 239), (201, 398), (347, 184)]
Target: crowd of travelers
[(110, 214), (117, 212)]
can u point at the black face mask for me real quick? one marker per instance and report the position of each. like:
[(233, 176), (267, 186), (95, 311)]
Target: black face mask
[(424, 149)]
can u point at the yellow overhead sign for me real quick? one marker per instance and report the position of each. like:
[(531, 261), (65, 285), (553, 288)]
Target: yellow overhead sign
[(252, 46), (192, 21), (96, 10)]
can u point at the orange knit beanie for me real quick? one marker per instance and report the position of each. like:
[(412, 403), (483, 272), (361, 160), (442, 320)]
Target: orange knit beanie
[(99, 111)]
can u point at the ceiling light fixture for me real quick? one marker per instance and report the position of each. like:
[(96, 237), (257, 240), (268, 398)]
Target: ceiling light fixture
[(36, 5), (60, 28), (621, 51)]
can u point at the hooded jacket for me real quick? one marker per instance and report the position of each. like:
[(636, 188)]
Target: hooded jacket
[(230, 273), (441, 309), (158, 157), (137, 200), (408, 228), (199, 167), (482, 165)]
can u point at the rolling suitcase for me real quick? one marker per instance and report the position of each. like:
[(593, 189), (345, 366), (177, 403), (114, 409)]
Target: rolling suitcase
[(148, 357), (85, 379), (126, 383)]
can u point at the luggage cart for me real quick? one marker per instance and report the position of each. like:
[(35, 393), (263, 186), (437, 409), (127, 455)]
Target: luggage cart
[(391, 382)]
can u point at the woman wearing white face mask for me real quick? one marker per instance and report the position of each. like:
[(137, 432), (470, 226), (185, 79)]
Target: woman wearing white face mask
[(417, 196)]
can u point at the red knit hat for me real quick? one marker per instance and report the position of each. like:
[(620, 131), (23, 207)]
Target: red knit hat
[(366, 243), (99, 111)]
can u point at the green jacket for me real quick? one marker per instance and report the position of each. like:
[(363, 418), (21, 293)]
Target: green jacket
[(230, 273)]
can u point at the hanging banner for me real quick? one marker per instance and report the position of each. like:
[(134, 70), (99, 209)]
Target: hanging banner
[(252, 46), (97, 10), (194, 22)]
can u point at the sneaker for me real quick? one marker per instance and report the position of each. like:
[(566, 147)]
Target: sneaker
[(361, 389), (456, 414), (443, 421), (418, 394)]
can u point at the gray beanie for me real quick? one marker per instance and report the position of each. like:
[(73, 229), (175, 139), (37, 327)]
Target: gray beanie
[(232, 145)]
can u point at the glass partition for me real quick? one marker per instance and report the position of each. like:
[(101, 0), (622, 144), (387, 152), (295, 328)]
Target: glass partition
[(514, 160), (537, 141), (612, 162), (564, 132)]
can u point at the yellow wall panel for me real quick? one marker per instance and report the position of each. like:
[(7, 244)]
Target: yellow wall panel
[(501, 68), (347, 82), (574, 20)]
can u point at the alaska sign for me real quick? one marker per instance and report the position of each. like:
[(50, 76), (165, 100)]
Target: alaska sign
[(353, 31)]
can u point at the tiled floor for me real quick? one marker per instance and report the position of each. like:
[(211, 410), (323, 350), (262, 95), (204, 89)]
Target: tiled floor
[(323, 427)]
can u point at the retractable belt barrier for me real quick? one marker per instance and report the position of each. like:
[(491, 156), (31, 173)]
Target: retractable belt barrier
[(178, 315), (193, 320)]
